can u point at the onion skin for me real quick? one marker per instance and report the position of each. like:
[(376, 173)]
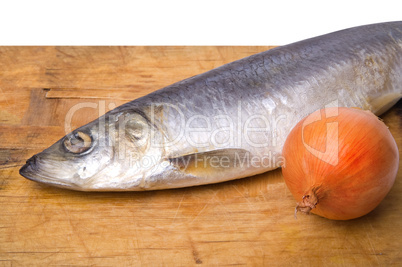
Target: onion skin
[(340, 163)]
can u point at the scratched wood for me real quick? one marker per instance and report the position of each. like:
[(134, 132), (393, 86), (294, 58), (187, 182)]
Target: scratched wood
[(244, 222)]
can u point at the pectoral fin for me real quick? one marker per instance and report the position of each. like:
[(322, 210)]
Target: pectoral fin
[(208, 164)]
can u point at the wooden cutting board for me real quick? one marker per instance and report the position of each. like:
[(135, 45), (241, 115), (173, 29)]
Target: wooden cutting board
[(243, 222)]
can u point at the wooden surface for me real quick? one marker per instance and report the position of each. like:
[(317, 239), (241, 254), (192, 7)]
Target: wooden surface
[(243, 222)]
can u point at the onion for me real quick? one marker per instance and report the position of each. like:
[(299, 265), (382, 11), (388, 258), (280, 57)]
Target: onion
[(340, 163)]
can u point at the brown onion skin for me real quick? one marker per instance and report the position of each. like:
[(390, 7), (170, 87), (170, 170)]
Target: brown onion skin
[(368, 160)]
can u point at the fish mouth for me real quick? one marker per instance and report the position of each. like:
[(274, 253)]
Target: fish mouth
[(31, 171)]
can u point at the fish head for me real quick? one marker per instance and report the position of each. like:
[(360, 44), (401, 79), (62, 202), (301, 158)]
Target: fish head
[(118, 151)]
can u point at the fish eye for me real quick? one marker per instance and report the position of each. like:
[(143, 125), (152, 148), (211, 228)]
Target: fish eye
[(77, 142)]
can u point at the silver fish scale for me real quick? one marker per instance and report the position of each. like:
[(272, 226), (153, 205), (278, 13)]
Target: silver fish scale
[(281, 81)]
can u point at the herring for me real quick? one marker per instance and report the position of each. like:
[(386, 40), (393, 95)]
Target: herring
[(227, 123)]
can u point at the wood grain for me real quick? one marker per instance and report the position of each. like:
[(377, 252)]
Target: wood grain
[(243, 222)]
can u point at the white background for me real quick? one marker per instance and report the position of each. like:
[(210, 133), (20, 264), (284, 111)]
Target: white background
[(207, 22)]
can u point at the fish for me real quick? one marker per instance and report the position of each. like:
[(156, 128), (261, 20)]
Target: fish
[(230, 122)]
